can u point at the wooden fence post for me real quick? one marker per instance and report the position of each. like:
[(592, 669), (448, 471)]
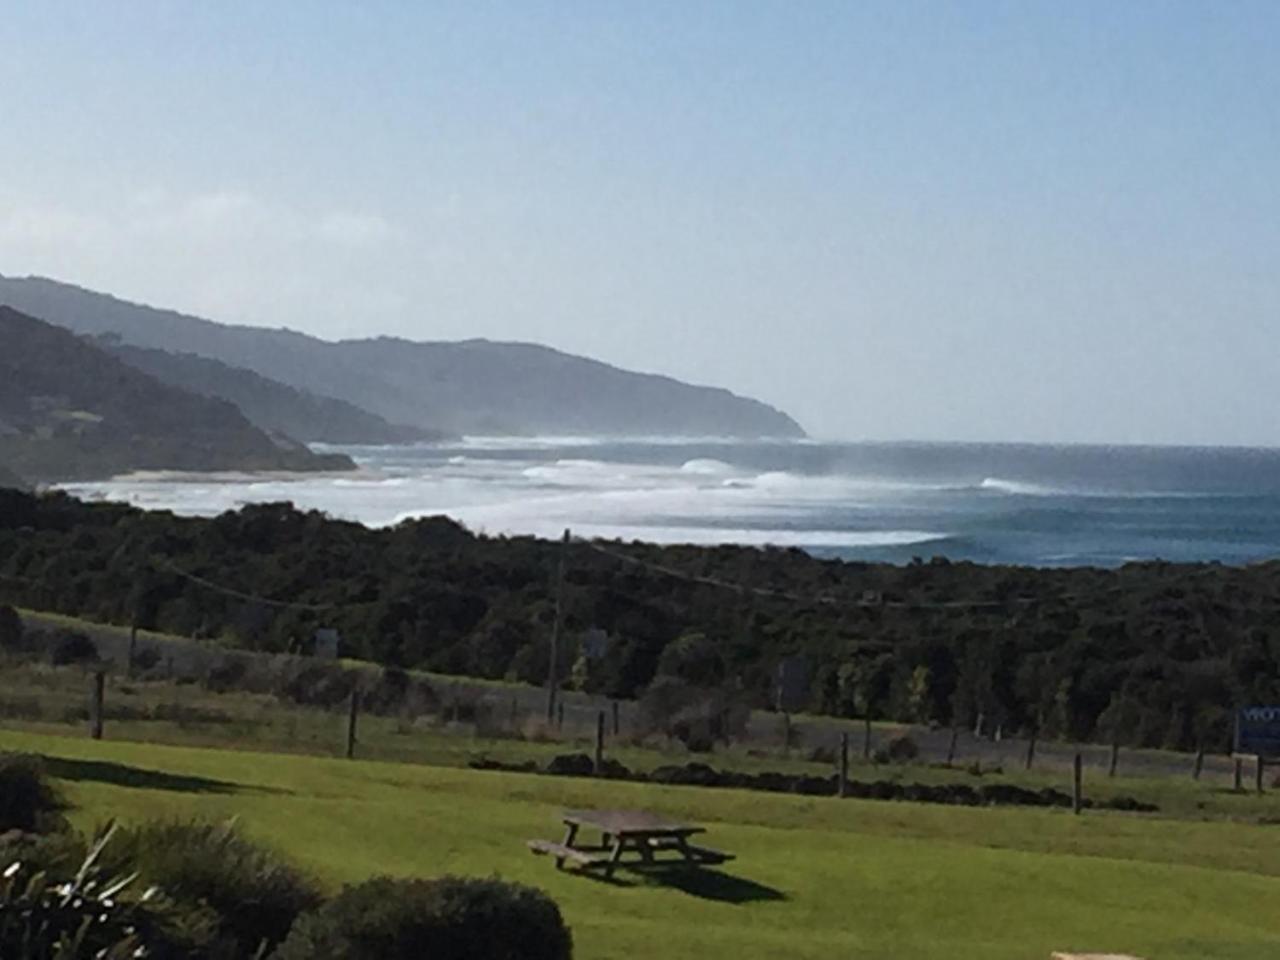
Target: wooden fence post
[(1238, 783), (1115, 759), (1031, 749), (951, 747), (1199, 765), (133, 651), (1077, 775), (866, 738), (560, 715), (843, 785), (514, 723), (1261, 764), (96, 697), (353, 713), (617, 719), (599, 766)]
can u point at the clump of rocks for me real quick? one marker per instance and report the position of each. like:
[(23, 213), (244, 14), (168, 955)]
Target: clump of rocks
[(697, 774)]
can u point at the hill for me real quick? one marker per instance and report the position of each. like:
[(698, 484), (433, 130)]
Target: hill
[(474, 386), (273, 406), (69, 410)]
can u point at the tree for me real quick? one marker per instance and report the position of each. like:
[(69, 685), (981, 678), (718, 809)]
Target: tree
[(11, 634), (694, 659)]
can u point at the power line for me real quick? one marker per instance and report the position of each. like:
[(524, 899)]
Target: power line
[(813, 600), (240, 594)]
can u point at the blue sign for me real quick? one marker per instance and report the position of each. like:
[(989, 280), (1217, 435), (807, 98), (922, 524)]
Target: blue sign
[(1258, 731)]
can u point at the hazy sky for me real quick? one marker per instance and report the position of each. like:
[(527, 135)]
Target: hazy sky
[(970, 220)]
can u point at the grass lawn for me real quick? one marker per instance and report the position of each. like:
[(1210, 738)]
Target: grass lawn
[(814, 878)]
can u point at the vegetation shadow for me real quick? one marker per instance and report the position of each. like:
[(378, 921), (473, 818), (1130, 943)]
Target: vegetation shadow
[(716, 885), (121, 775)]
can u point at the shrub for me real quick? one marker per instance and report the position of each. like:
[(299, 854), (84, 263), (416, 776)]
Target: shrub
[(696, 717), (73, 648), (229, 892), (57, 854), (21, 708), (450, 918), (11, 636), (85, 916), (316, 685), (898, 750), (226, 675), (145, 659), (28, 801)]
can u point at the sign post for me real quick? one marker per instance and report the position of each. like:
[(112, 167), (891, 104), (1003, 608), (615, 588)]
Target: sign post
[(1257, 735)]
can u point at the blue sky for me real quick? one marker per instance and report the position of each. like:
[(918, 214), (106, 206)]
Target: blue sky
[(1023, 221)]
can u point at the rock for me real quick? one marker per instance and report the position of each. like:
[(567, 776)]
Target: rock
[(571, 765), (613, 770), (691, 774)]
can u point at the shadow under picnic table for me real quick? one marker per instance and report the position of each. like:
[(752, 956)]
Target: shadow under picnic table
[(715, 885)]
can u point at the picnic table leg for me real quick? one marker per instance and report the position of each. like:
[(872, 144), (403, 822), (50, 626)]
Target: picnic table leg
[(682, 844), (614, 856), (646, 849), (570, 834)]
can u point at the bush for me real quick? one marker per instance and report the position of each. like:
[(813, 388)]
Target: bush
[(316, 685), (898, 750), (696, 717), (227, 675), (231, 894), (57, 854), (73, 648), (11, 636), (84, 916), (145, 659), (446, 919), (28, 801)]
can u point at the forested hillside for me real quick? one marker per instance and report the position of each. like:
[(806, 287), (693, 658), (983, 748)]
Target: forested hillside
[(1151, 653), (69, 410), (275, 407), (471, 386)]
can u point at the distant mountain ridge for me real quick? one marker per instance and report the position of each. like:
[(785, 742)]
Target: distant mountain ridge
[(472, 386), (69, 411), (273, 406)]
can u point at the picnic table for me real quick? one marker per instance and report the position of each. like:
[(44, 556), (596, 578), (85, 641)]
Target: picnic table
[(644, 836)]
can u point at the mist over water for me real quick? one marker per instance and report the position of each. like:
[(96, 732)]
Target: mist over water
[(1026, 504)]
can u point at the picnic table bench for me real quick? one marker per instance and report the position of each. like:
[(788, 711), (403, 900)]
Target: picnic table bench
[(623, 832)]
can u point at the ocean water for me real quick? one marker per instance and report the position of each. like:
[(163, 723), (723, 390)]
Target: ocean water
[(1024, 504)]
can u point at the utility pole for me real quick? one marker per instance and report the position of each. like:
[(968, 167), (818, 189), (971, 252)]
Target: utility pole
[(553, 669)]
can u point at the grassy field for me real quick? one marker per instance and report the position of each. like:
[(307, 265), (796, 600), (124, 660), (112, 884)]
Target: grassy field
[(814, 878), (38, 698)]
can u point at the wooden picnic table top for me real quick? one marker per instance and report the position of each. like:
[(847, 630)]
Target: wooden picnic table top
[(623, 823)]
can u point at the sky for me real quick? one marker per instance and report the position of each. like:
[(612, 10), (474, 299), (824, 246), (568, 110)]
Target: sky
[(1025, 221)]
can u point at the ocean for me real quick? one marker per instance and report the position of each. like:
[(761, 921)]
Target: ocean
[(994, 503)]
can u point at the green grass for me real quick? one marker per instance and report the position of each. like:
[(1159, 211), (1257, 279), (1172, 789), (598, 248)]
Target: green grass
[(37, 698), (814, 878)]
